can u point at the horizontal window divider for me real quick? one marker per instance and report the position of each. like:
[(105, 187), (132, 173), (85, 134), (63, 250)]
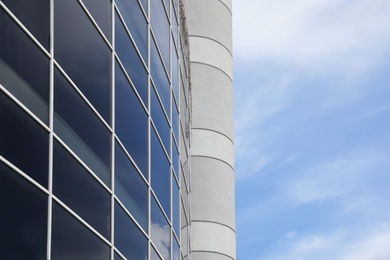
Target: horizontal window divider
[(24, 108), (161, 208), (86, 224), (83, 97), (25, 30), (24, 175), (74, 155)]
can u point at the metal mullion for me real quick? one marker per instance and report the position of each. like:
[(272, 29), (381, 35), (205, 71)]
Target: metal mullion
[(156, 250), (119, 253), (51, 126), (24, 29), (161, 208), (81, 220), (85, 166), (113, 130), (74, 86), (24, 175), (149, 136), (161, 104), (160, 55), (24, 108), (161, 142)]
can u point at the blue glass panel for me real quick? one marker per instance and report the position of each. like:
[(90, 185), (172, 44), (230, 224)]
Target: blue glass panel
[(159, 76), (160, 121), (130, 188), (136, 23), (176, 250), (131, 122), (101, 13), (154, 255), (35, 15), (23, 217), (175, 159), (80, 191), (160, 231), (160, 173), (22, 141), (175, 120), (82, 53), (78, 126), (161, 30), (128, 238), (175, 206), (130, 60), (175, 73), (73, 240), (145, 5), (27, 81)]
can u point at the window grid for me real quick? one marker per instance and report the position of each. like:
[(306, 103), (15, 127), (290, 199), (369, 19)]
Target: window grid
[(109, 125)]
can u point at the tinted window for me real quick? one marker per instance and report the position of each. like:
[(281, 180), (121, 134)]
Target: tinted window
[(160, 172), (160, 231), (136, 23), (128, 238), (83, 54), (175, 206), (154, 255), (130, 188), (175, 159), (117, 257), (176, 250), (24, 69), (101, 13), (28, 150), (159, 76), (73, 240), (160, 121), (35, 15), (160, 26), (130, 60), (78, 126), (175, 73), (175, 120), (23, 217), (131, 122), (80, 191)]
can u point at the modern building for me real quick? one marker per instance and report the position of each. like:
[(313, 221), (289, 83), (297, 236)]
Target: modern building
[(116, 129)]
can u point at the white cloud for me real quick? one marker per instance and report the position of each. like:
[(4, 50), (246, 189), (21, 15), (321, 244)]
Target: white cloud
[(334, 178), (290, 234), (313, 33)]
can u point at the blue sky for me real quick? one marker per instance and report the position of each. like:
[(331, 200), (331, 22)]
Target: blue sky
[(312, 129)]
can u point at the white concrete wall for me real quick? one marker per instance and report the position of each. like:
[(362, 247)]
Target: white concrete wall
[(212, 152)]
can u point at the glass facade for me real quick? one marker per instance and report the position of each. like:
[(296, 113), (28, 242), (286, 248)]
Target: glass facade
[(94, 145)]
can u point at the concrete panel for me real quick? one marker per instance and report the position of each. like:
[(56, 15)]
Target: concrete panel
[(211, 144), (212, 22), (210, 52), (212, 191), (209, 256), (203, 238), (212, 92), (227, 3)]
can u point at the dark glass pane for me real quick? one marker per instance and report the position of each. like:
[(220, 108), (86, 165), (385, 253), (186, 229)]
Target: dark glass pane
[(175, 120), (160, 121), (176, 250), (154, 255), (22, 141), (175, 73), (160, 26), (159, 76), (83, 54), (160, 173), (130, 60), (80, 191), (131, 122), (136, 23), (160, 231), (35, 15), (78, 126), (24, 69), (175, 159), (128, 238), (130, 188), (117, 257), (23, 217), (175, 206), (73, 240), (101, 13)]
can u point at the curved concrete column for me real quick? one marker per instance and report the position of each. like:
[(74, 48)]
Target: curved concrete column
[(212, 152)]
